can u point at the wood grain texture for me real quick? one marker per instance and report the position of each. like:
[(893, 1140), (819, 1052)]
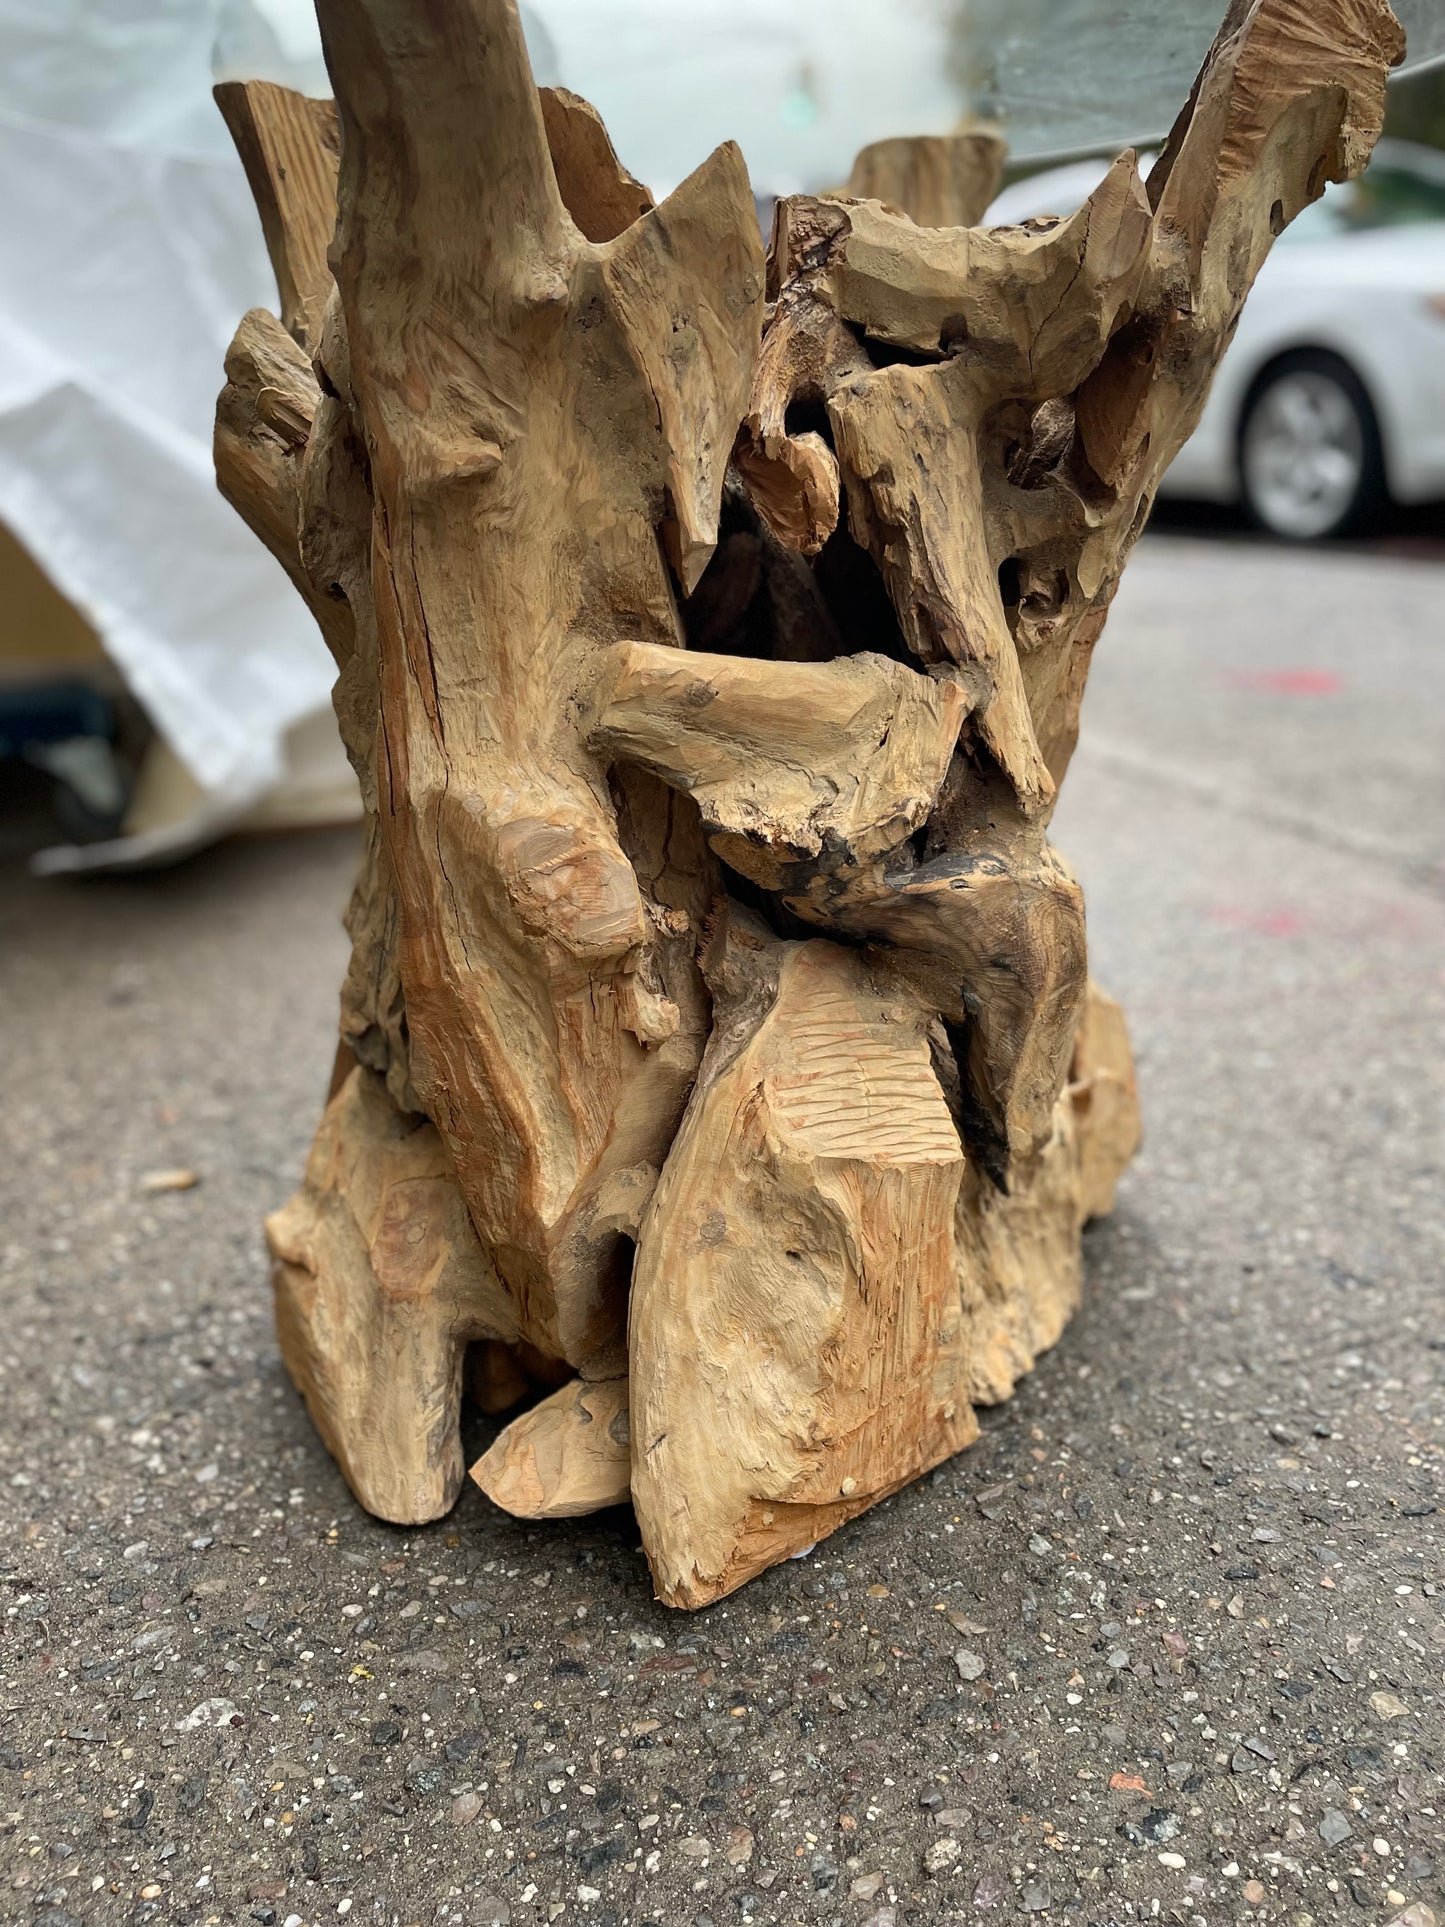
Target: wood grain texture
[(291, 459), (528, 400), (796, 1340), (569, 1455), (289, 145), (937, 180), (1011, 1279), (1018, 1256), (597, 190), (380, 1284), (717, 1057), (783, 759)]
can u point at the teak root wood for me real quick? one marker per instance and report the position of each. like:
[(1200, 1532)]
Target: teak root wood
[(719, 1081)]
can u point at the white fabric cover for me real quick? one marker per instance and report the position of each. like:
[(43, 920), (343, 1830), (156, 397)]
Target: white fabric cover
[(129, 250)]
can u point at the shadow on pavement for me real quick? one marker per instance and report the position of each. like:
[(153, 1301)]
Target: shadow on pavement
[(1418, 530)]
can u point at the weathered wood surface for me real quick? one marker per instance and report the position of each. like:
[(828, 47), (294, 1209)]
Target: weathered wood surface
[(718, 1069), (381, 1283), (797, 1340), (938, 180), (570, 1454)]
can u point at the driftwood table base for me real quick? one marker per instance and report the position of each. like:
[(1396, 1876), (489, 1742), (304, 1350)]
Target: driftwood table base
[(720, 1086)]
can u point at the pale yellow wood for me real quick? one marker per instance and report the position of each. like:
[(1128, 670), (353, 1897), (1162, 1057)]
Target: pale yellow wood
[(263, 423), (380, 1285), (534, 405), (288, 145), (783, 759), (1104, 1098), (937, 180), (570, 1454), (1019, 1262), (797, 1347), (289, 458), (717, 1049), (1000, 472), (596, 189), (1018, 1279)]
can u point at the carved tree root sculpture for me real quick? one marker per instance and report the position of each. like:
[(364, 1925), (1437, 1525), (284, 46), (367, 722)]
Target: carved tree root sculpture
[(718, 1061)]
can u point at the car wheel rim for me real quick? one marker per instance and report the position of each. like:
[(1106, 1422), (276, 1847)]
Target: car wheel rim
[(1304, 455)]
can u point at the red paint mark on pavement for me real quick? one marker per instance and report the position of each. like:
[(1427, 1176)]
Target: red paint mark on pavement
[(1260, 923), (1288, 682)]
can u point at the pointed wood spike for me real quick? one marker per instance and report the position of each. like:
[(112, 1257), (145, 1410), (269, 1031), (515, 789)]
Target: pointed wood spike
[(697, 357), (937, 180), (289, 146), (597, 190)]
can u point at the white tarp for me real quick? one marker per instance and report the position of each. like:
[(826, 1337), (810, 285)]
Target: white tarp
[(129, 249), (801, 85)]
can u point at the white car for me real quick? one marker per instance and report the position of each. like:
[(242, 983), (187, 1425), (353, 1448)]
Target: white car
[(1331, 400)]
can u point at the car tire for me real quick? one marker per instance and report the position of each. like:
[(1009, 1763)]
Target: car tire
[(1311, 463)]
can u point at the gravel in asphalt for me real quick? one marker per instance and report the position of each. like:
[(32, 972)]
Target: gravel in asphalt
[(1167, 1643)]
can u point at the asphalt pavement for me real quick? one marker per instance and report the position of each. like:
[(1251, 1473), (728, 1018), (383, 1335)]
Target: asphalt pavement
[(1167, 1643)]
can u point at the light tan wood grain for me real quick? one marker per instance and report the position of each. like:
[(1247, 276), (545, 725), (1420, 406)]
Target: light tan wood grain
[(533, 404), (797, 1346), (381, 1283), (289, 145), (937, 180), (569, 1455), (717, 1053)]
